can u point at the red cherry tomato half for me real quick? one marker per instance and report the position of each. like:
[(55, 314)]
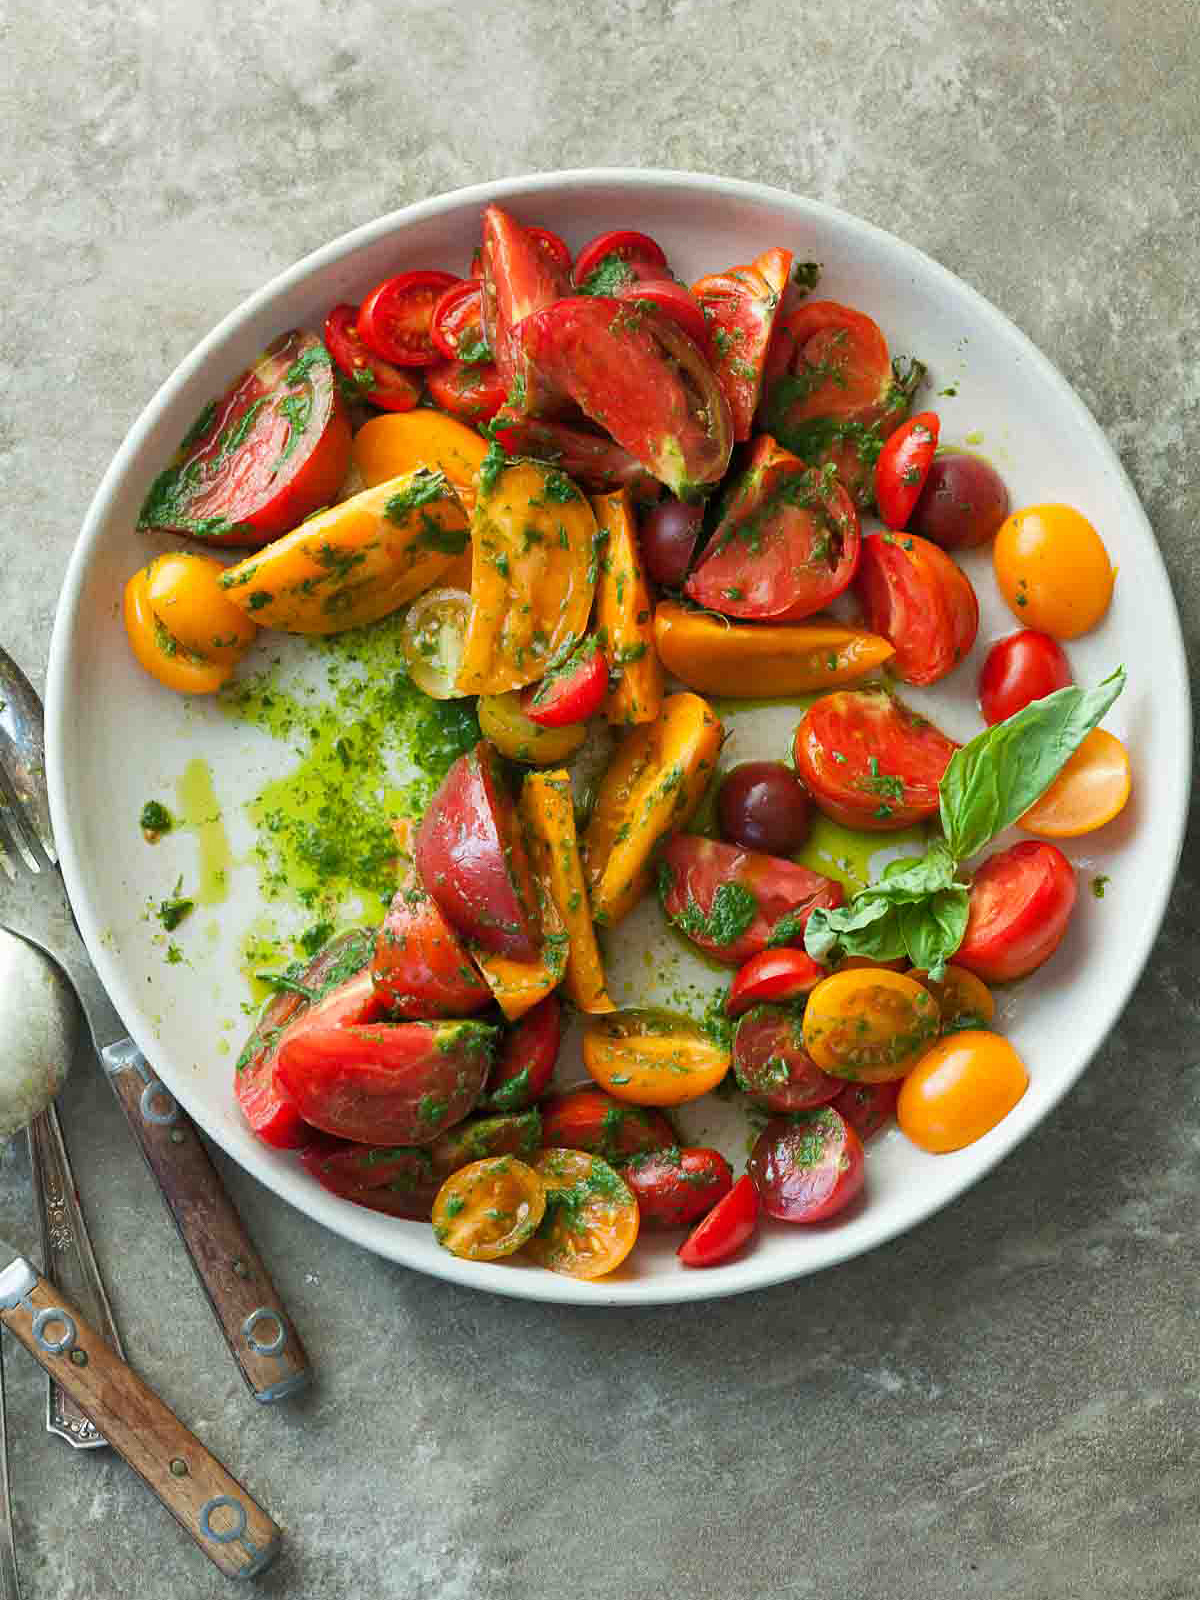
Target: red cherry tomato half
[(625, 246), (773, 975), (673, 301), (1024, 667), (773, 1068), (551, 246), (673, 1187), (394, 320), (1021, 902), (920, 600), (591, 1120), (726, 1228), (471, 392), (456, 326), (867, 1106), (527, 1057), (809, 1167), (903, 466), (570, 693), (376, 380)]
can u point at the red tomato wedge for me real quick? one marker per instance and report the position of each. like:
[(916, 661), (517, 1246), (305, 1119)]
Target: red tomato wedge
[(1020, 906), (272, 450), (728, 1226), (772, 1066), (456, 326), (626, 246), (778, 975), (786, 545), (395, 320), (869, 761), (920, 600), (365, 375), (674, 1187), (903, 467), (672, 300), (734, 903), (527, 1058), (470, 391), (572, 692), (741, 307), (807, 1168), (641, 378), (420, 967), (590, 458), (519, 278)]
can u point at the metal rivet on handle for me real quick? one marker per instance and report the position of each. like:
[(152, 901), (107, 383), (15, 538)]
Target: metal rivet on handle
[(275, 1345), (179, 1468), (79, 1357), (44, 1319), (177, 1135), (230, 1534), (167, 1110), (240, 1269)]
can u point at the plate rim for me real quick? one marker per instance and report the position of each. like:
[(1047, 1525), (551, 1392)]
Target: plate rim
[(341, 1216)]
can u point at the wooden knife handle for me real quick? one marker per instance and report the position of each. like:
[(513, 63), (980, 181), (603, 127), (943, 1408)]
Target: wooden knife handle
[(230, 1526), (259, 1332)]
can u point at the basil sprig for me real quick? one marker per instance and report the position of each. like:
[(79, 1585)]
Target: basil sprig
[(918, 909)]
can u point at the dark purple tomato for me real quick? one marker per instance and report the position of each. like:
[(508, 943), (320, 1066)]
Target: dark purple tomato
[(762, 805), (807, 1168), (772, 1066), (668, 535), (963, 503)]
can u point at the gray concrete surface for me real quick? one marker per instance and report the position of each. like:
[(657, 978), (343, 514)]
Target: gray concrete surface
[(1004, 1403)]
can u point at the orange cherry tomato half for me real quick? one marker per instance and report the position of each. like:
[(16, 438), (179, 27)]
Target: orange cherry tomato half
[(960, 1090), (1089, 791), (652, 1058), (964, 1000), (366, 374), (869, 1025), (1053, 570), (591, 1221), (157, 650), (396, 318), (903, 467), (489, 1209)]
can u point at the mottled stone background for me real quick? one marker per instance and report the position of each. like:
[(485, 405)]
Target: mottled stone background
[(1005, 1403)]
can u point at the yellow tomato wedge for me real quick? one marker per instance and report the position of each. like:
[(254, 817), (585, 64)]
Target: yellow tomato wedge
[(548, 813), (388, 446), (651, 789), (519, 985), (354, 562), (533, 574), (653, 1058), (1089, 791), (625, 616), (750, 660)]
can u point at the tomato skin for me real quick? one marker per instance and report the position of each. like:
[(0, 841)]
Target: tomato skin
[(922, 603), (590, 458), (883, 744), (903, 467), (489, 1209), (589, 1119), (1053, 570), (869, 1024), (773, 975), (1023, 667), (773, 1068), (762, 805), (787, 543), (526, 1060), (807, 1168), (731, 1223), (473, 392), (742, 306), (963, 502), (693, 871), (867, 1107), (1090, 790), (626, 245), (394, 320), (470, 855), (378, 381), (674, 1187), (1020, 904), (671, 300), (572, 694), (420, 968), (519, 278), (958, 1092)]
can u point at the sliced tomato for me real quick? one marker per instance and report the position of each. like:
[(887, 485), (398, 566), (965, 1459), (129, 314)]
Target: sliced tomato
[(365, 374), (489, 1209), (807, 1168), (672, 300), (519, 278), (395, 320), (733, 902), (867, 1107), (591, 1220), (420, 967), (731, 1224), (869, 761), (619, 246), (589, 1119), (471, 392), (773, 975), (920, 600), (1020, 906), (641, 378), (527, 1058), (572, 692), (840, 367), (903, 467), (673, 1187), (786, 545), (456, 326), (1022, 667), (553, 247), (590, 458), (741, 307), (772, 1066), (272, 450)]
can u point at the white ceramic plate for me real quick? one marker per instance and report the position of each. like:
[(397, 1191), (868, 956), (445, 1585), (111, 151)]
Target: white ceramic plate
[(115, 737)]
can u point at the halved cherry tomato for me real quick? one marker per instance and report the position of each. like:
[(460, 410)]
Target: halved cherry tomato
[(267, 454), (489, 1209), (1091, 789), (903, 466), (673, 1187), (433, 640), (590, 1119), (734, 903), (504, 722), (525, 1063), (182, 628), (591, 1221), (587, 457), (551, 245), (741, 307), (1053, 570), (652, 1057), (920, 600), (762, 805), (964, 1001), (1023, 667), (394, 320), (470, 855), (1021, 902), (571, 692), (807, 1168), (368, 375), (786, 545), (771, 1065), (626, 246), (869, 1025), (963, 503), (456, 326), (420, 967), (778, 975), (519, 278), (869, 761), (866, 1106), (471, 392), (960, 1090), (672, 300), (726, 1228)]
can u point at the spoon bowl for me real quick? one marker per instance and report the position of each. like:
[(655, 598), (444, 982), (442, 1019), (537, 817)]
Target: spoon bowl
[(38, 1024)]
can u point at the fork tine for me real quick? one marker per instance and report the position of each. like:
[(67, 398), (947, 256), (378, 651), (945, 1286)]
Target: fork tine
[(22, 838)]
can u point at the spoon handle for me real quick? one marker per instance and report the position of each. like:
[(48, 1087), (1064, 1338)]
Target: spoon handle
[(257, 1328), (70, 1260)]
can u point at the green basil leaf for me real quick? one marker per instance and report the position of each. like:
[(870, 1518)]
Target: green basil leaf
[(933, 929), (913, 877), (868, 926), (992, 781)]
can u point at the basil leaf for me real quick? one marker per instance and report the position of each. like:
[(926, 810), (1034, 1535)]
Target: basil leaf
[(912, 877), (992, 781), (933, 929), (868, 926)]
